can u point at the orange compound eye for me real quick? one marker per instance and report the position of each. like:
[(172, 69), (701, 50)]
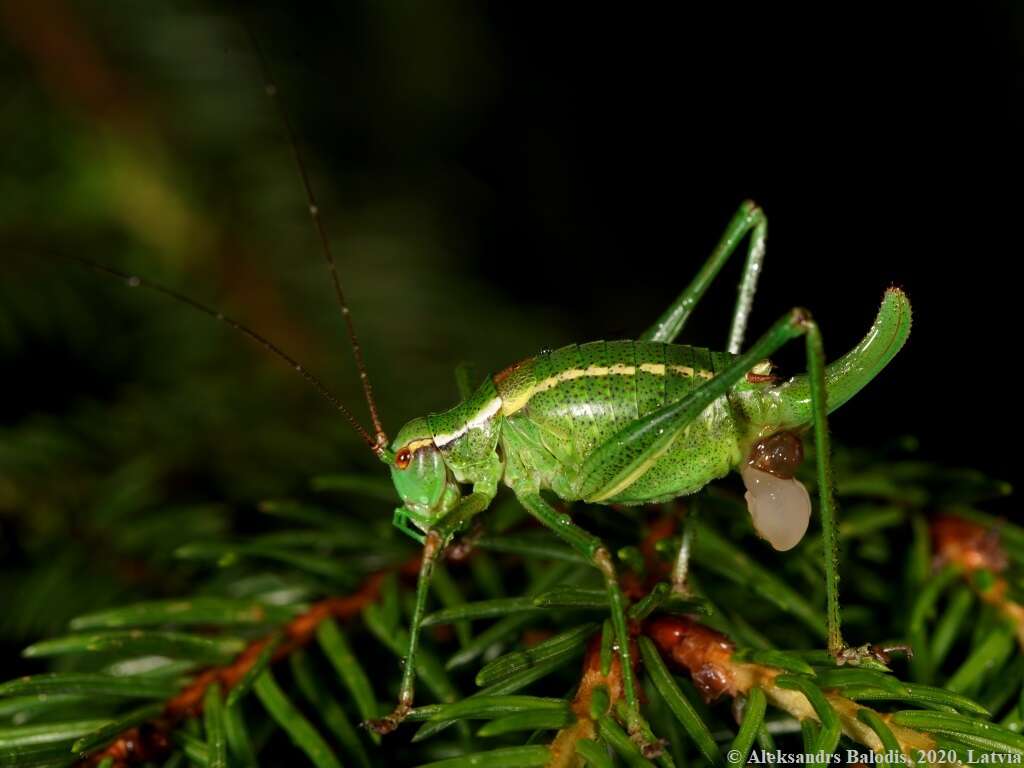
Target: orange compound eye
[(403, 458)]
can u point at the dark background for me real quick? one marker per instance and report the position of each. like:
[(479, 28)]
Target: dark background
[(598, 154), (497, 178)]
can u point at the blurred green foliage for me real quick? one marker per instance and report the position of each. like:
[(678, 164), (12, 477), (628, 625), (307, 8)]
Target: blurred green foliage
[(144, 140), (137, 439)]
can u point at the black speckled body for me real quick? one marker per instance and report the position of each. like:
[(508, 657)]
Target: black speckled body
[(587, 421), (559, 406)]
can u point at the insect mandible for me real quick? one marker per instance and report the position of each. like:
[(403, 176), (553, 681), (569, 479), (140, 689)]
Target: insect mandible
[(617, 422)]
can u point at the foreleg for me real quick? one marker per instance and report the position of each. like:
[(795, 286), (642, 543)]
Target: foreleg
[(435, 542)]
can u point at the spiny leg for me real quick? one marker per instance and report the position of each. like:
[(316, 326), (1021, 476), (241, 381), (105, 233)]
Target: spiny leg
[(748, 219), (595, 551), (748, 283), (626, 456), (434, 544), (826, 498), (681, 567)]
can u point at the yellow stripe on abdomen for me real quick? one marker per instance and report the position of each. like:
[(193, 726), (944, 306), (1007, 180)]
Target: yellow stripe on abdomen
[(519, 402)]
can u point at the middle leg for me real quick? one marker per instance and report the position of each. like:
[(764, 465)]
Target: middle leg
[(434, 544), (597, 553)]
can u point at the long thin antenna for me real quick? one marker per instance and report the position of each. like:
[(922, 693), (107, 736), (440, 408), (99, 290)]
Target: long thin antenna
[(133, 281), (270, 85)]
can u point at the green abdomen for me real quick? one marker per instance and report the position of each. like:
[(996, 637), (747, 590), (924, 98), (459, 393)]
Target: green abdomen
[(580, 396)]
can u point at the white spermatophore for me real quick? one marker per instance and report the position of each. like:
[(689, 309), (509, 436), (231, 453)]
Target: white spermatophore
[(780, 508)]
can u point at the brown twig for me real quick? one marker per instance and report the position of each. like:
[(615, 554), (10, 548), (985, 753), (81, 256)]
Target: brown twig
[(702, 652), (708, 656), (563, 748), (152, 740)]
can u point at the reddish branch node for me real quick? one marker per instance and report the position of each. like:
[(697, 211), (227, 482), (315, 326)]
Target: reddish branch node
[(973, 548), (968, 545), (708, 657), (704, 653)]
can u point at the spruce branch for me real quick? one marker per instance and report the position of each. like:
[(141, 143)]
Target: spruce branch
[(151, 740), (514, 614), (709, 658)]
